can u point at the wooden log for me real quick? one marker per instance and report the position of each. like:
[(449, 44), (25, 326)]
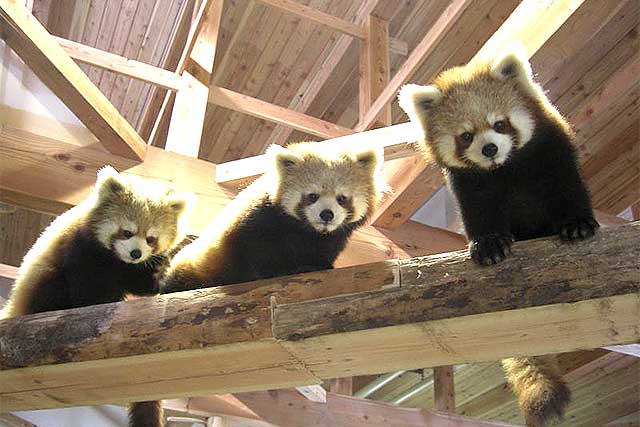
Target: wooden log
[(549, 297), (443, 389)]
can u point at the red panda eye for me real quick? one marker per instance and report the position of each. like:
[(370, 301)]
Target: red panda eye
[(500, 126), (341, 199), (313, 197), (127, 234), (467, 137), (151, 240)]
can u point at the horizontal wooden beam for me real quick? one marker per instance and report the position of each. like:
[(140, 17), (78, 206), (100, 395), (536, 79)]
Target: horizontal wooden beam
[(121, 65), (51, 176), (549, 297), (265, 110), (285, 408), (339, 24), (42, 53), (396, 141)]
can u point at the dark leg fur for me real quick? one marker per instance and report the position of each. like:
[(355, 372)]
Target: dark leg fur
[(146, 414)]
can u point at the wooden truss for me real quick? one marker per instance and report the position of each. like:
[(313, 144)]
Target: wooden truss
[(378, 315)]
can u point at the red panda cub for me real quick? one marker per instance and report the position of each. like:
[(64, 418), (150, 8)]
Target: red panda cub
[(112, 244), (509, 159), (296, 218)]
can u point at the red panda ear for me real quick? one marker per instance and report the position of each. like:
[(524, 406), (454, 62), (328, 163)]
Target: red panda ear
[(181, 203), (285, 160), (512, 63), (108, 183), (370, 159), (418, 100)]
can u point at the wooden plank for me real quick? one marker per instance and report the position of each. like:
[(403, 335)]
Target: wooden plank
[(414, 61), (42, 53), (314, 393), (374, 68), (12, 420), (220, 340), (394, 139), (443, 389), (264, 110), (121, 65), (414, 182), (187, 117)]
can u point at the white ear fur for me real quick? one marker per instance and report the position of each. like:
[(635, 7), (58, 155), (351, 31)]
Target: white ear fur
[(181, 203), (284, 159), (108, 182), (512, 63), (416, 100)]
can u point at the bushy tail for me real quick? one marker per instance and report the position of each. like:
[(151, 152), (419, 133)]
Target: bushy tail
[(537, 382), (145, 414)]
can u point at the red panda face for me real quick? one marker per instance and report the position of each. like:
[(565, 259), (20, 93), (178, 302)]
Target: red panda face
[(137, 219), (476, 116), (323, 189)]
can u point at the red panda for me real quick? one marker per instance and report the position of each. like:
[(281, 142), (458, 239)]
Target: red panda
[(296, 218), (112, 244), (509, 159)]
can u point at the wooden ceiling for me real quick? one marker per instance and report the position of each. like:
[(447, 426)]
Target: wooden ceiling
[(589, 68)]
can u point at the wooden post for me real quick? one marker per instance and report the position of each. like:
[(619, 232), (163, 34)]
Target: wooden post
[(443, 389), (374, 68), (187, 118)]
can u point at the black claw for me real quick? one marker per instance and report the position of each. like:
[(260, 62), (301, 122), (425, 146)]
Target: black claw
[(578, 229), (491, 249)]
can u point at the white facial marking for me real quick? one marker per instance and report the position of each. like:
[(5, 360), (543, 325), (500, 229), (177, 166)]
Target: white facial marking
[(446, 148), (124, 248), (325, 202), (105, 230), (503, 143), (523, 123)]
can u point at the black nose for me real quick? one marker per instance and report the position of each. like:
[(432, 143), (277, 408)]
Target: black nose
[(326, 215), (490, 150), (135, 254)]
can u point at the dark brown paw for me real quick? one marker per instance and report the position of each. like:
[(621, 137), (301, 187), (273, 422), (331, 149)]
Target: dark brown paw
[(490, 249), (578, 229)]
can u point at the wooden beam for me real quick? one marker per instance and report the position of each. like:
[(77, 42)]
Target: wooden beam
[(51, 176), (42, 53), (339, 24), (12, 420), (394, 139), (374, 68), (189, 108), (414, 181), (121, 65), (297, 330), (414, 61), (264, 110), (443, 389)]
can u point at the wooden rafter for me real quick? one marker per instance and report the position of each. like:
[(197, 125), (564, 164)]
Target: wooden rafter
[(265, 110), (374, 68), (42, 53), (319, 17), (121, 65), (285, 332)]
